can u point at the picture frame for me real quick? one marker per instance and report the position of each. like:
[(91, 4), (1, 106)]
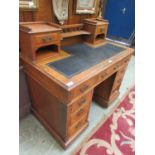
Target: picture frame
[(86, 6), (28, 5)]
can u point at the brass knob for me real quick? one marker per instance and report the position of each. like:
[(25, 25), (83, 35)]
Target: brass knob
[(82, 101), (116, 67), (126, 60), (47, 39), (102, 29), (84, 88), (80, 112), (104, 75)]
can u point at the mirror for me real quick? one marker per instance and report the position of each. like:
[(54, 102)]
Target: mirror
[(28, 5), (86, 6)]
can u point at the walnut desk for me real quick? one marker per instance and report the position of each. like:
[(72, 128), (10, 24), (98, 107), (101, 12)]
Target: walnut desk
[(62, 101)]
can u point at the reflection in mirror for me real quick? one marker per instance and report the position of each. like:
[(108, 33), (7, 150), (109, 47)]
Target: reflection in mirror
[(86, 6), (26, 5), (61, 10)]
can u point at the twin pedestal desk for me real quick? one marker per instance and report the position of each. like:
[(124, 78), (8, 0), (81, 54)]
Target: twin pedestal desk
[(63, 80)]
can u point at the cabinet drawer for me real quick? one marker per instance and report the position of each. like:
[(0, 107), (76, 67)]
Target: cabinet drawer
[(79, 114), (84, 100), (121, 65), (76, 127), (108, 72), (45, 39), (84, 87)]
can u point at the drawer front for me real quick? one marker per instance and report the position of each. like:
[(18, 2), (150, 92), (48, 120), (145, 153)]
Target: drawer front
[(108, 72), (121, 65), (100, 29), (84, 100), (76, 116), (84, 87), (76, 127), (45, 39)]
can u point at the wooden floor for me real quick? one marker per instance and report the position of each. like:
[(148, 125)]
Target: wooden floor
[(35, 140)]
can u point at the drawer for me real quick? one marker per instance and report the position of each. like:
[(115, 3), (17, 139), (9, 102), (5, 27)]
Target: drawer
[(121, 65), (100, 29), (108, 72), (76, 127), (45, 39), (79, 114), (84, 87), (84, 100)]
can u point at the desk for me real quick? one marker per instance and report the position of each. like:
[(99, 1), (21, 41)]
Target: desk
[(62, 103)]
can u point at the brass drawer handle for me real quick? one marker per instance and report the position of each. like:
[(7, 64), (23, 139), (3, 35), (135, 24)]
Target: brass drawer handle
[(116, 67), (104, 75), (83, 100), (84, 88), (80, 112), (78, 125), (126, 60), (47, 39), (102, 29)]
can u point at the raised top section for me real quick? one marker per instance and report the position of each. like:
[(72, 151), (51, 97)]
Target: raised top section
[(39, 27), (96, 21)]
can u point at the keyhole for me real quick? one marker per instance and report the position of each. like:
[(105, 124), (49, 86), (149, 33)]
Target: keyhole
[(123, 10)]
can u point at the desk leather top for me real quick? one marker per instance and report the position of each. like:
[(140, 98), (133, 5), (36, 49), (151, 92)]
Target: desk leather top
[(83, 57)]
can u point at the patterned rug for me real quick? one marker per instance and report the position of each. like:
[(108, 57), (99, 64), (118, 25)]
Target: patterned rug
[(116, 134)]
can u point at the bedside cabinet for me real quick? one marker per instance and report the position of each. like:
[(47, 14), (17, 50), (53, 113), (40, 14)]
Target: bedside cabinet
[(39, 39), (98, 29)]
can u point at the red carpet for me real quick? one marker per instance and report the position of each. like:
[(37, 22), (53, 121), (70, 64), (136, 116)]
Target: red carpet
[(115, 136)]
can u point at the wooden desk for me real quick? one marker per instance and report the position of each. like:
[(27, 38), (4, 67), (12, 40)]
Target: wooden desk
[(62, 104)]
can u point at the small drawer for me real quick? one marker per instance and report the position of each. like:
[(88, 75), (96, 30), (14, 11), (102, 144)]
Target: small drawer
[(100, 29), (103, 76), (79, 114), (84, 100), (118, 65), (76, 127), (45, 39), (84, 87)]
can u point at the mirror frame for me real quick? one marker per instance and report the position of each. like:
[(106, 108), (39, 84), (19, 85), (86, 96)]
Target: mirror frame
[(85, 10), (28, 5)]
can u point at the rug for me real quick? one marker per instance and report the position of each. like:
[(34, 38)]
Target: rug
[(116, 134)]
